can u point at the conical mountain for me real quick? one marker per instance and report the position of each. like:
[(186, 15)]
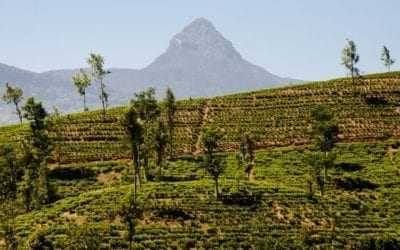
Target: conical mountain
[(199, 61)]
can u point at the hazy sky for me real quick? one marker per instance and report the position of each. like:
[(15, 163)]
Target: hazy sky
[(300, 39)]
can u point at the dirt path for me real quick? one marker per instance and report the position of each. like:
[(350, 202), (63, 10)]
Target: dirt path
[(204, 120)]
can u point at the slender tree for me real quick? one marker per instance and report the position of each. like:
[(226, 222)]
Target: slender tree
[(246, 153), (214, 165), (147, 108), (318, 162), (82, 81), (170, 108), (386, 58), (134, 129), (350, 58), (14, 95), (160, 142), (130, 212), (96, 62), (37, 149), (325, 131)]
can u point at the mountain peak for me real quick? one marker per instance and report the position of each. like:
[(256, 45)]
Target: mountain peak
[(200, 23), (202, 38)]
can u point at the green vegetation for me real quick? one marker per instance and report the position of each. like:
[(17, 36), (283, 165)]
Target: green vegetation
[(96, 63), (14, 95), (386, 58), (350, 58), (82, 81), (340, 135)]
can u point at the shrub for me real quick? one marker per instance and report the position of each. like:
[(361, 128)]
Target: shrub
[(242, 197), (173, 213), (349, 183), (349, 167), (71, 173)]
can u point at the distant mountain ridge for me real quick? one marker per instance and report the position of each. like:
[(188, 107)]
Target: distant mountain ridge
[(198, 62)]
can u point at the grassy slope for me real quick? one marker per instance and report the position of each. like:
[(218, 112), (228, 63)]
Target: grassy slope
[(285, 212), (279, 117)]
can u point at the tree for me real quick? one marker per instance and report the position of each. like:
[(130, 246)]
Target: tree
[(170, 107), (210, 140), (38, 241), (215, 166), (82, 237), (9, 170), (350, 58), (96, 62), (8, 173), (82, 81), (318, 161), (325, 131), (386, 58), (147, 108), (36, 149), (130, 212), (160, 142), (134, 129), (246, 155), (14, 95)]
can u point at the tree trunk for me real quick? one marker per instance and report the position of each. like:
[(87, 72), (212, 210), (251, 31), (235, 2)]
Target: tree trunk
[(103, 101), (18, 113), (171, 139), (216, 188), (159, 164), (237, 181), (84, 103)]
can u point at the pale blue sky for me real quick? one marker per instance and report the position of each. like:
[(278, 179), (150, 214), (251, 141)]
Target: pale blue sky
[(300, 39)]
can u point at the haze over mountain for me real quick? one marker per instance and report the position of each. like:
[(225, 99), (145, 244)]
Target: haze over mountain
[(198, 62)]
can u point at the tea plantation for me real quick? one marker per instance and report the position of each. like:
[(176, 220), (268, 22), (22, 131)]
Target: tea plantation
[(91, 173)]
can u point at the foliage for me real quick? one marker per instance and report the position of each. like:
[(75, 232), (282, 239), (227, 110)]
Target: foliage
[(39, 241), (318, 162), (246, 154), (148, 110), (357, 183), (130, 213), (36, 149), (170, 107), (134, 129), (82, 237), (82, 81), (160, 143), (350, 58), (96, 62), (9, 173), (14, 95), (386, 58), (325, 128)]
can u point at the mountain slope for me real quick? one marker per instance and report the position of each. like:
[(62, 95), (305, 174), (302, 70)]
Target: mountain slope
[(367, 110), (275, 209), (198, 62)]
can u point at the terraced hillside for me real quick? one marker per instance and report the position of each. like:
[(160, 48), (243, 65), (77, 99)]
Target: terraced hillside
[(92, 175), (367, 110), (183, 214)]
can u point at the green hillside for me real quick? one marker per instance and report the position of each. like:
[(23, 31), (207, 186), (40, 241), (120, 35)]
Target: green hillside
[(367, 110), (92, 174)]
